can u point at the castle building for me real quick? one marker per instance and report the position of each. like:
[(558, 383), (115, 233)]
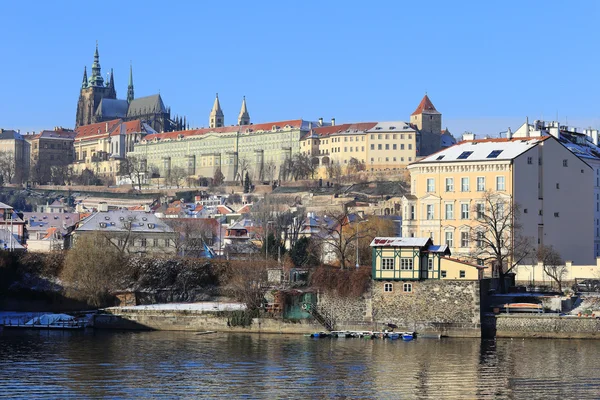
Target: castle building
[(98, 103)]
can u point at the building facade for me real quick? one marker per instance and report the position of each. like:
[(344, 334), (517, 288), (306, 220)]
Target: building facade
[(102, 146), (540, 175), (50, 149), (14, 156), (584, 144)]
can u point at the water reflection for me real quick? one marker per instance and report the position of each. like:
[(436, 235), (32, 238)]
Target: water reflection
[(174, 364)]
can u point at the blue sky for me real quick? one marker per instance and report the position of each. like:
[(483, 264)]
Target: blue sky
[(485, 65)]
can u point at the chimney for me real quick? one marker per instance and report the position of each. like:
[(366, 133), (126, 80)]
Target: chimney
[(103, 207), (468, 136), (509, 134), (527, 127), (332, 121), (320, 121)]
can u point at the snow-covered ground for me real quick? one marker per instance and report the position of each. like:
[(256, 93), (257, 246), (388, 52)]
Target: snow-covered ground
[(15, 318), (204, 306)]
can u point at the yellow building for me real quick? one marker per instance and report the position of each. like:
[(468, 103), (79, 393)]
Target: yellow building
[(538, 174), (415, 259), (101, 147)]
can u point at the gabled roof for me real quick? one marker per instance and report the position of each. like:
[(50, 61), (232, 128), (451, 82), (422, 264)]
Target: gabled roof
[(400, 242), (244, 210), (145, 105), (96, 130), (425, 107), (484, 150), (115, 221), (224, 210), (63, 134)]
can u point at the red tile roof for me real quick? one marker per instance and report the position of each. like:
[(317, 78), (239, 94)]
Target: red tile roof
[(96, 130), (425, 106), (296, 123), (331, 130), (244, 210), (224, 210), (133, 126), (505, 140)]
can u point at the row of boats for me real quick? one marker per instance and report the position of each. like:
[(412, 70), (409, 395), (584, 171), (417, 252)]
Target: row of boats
[(406, 336)]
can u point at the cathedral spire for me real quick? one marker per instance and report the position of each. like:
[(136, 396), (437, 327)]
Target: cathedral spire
[(217, 119), (84, 82), (130, 86), (244, 117), (111, 83), (97, 79)]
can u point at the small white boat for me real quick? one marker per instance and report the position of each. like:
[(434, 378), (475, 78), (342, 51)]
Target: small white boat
[(50, 321)]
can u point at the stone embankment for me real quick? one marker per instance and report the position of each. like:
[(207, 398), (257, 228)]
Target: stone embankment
[(541, 326)]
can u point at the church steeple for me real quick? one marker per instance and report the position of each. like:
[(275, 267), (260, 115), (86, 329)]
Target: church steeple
[(130, 86), (244, 117), (217, 119), (84, 82), (97, 79)]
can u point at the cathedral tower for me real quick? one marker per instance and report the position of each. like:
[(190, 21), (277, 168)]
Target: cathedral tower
[(92, 92), (244, 117), (217, 119), (130, 86)]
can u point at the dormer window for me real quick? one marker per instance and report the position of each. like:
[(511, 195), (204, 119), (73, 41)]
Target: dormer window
[(464, 155), (494, 154)]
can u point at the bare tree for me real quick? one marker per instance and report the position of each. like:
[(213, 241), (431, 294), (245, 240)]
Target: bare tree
[(247, 282), (243, 166), (355, 166), (176, 175), (191, 235), (91, 269), (499, 240), (134, 168), (334, 172), (270, 168), (341, 231), (553, 264), (8, 166)]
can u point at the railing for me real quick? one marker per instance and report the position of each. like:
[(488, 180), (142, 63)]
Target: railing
[(312, 309)]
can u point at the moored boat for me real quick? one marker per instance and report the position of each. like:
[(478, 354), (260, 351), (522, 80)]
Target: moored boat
[(50, 321), (408, 336)]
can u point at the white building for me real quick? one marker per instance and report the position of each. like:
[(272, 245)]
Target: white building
[(584, 144)]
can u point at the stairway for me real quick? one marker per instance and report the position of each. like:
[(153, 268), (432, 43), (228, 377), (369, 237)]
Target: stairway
[(312, 309)]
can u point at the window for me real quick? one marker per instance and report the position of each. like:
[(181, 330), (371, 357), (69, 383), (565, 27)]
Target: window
[(556, 214), (449, 184), (167, 242), (412, 212), (429, 211), (394, 146), (500, 209), (402, 146), (500, 183), (430, 264), (464, 211), (464, 155), (480, 184), (565, 163), (387, 146), (449, 211), (443, 273), (480, 207), (410, 146), (430, 185), (449, 237), (464, 184), (387, 263), (407, 288), (155, 243), (479, 239), (388, 287), (462, 274), (406, 264), (464, 239), (379, 147), (143, 242), (372, 147), (529, 160), (494, 154)]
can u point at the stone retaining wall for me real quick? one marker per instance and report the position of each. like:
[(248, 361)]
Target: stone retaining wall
[(542, 326)]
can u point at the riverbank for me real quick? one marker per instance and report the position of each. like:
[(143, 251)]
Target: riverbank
[(548, 326)]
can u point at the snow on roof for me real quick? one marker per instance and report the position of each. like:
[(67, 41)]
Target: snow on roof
[(399, 242), (391, 126), (484, 150)]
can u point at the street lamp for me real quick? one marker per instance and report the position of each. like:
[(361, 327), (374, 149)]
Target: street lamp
[(357, 230)]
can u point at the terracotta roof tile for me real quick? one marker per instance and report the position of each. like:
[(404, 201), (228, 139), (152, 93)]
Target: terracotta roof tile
[(425, 106), (99, 129)]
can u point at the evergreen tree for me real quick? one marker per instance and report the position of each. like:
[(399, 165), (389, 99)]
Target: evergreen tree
[(247, 183)]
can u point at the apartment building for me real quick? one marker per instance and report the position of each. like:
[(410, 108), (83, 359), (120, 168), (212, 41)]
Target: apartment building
[(14, 150), (550, 184), (584, 144)]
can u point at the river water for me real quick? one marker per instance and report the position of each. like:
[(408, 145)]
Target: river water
[(101, 364)]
